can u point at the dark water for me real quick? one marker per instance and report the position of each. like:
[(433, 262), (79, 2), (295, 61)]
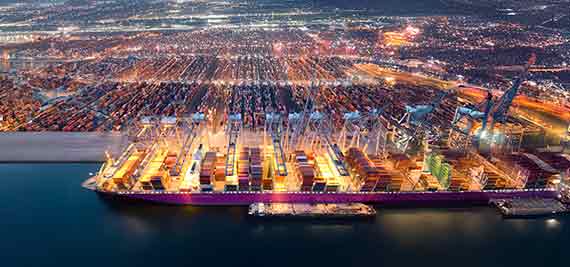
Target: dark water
[(47, 219)]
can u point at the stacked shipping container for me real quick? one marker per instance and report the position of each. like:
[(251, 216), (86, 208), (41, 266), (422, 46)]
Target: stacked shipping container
[(366, 173), (389, 180), (243, 169), (325, 172), (207, 171), (255, 169), (123, 177), (305, 170)]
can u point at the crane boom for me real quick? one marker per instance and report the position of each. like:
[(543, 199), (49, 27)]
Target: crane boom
[(418, 114), (234, 126), (274, 120), (185, 148), (332, 149), (506, 100)]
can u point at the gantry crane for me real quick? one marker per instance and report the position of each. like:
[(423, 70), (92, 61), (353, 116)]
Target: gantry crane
[(301, 120), (506, 100), (362, 127), (417, 115), (412, 125), (378, 129), (232, 130), (193, 132), (351, 128), (320, 127), (293, 122), (498, 112), (273, 123), (472, 113)]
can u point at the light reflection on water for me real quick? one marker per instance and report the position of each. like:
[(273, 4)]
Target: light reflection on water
[(69, 220)]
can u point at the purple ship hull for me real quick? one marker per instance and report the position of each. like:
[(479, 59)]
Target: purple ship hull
[(380, 198)]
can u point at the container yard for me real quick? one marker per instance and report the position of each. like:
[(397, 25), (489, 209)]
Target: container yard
[(280, 132), (323, 143), (302, 114)]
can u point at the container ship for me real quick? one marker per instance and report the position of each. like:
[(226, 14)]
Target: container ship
[(185, 161), (262, 142)]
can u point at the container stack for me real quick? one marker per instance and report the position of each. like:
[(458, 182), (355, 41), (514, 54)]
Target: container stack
[(332, 185), (305, 170), (255, 169), (154, 171), (459, 182), (123, 177), (160, 181), (231, 186), (439, 168), (243, 169), (207, 171), (324, 175), (384, 180), (524, 166), (494, 181), (386, 176), (170, 160), (366, 173), (428, 182), (267, 178), (391, 179), (396, 181), (220, 169)]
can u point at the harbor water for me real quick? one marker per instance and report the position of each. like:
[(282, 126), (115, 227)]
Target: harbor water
[(48, 219)]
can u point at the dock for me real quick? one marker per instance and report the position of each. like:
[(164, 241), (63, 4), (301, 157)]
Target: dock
[(341, 210), (529, 208)]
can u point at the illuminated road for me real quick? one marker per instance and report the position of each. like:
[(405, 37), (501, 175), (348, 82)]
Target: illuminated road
[(552, 117), (548, 115)]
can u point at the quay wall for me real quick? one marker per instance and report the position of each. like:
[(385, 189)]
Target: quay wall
[(59, 146), (414, 199)]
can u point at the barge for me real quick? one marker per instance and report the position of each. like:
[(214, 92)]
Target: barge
[(529, 207), (317, 210)]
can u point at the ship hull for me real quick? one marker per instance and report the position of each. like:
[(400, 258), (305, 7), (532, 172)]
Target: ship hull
[(380, 198)]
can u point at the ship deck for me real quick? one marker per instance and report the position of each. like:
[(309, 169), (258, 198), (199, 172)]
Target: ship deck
[(445, 198)]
